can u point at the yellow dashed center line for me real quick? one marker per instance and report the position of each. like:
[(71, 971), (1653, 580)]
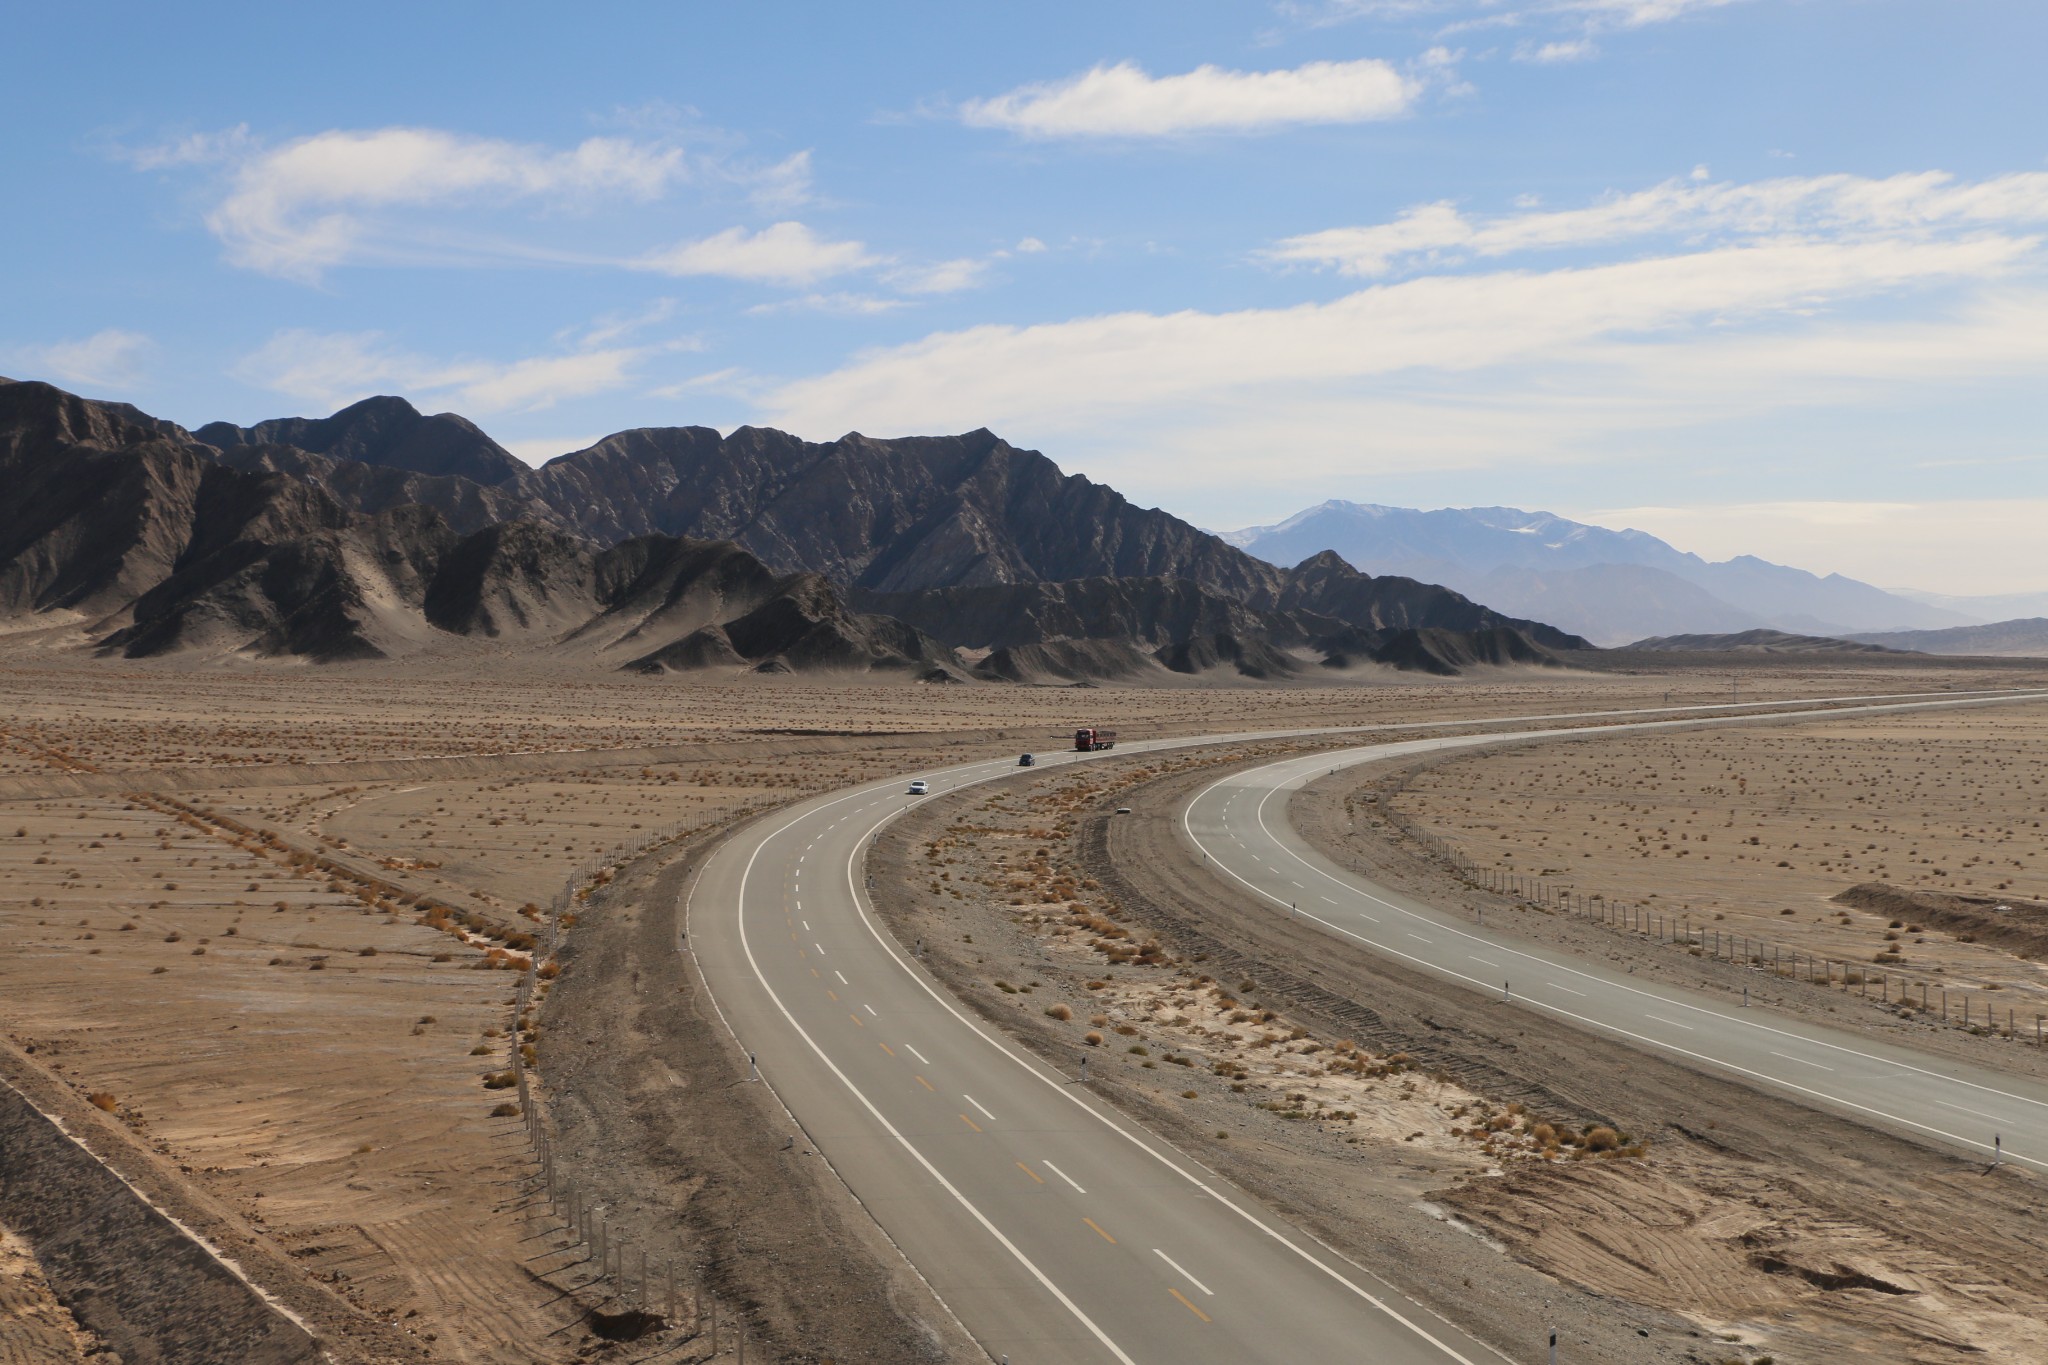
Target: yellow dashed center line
[(855, 1017), (1098, 1228), (970, 1123), (886, 1048), (1187, 1304), (1028, 1171), (927, 1085), (834, 994)]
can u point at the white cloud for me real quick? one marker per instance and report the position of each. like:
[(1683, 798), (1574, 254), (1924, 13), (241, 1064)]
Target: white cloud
[(299, 209), (612, 326), (1123, 101), (946, 277), (786, 253), (842, 304), (1556, 53), (1466, 14), (1029, 246), (110, 358), (1906, 205), (338, 368), (430, 196), (1917, 544), (1093, 368)]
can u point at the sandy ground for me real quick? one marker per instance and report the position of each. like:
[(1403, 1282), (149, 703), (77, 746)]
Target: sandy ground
[(1755, 832), (35, 1329), (306, 1051)]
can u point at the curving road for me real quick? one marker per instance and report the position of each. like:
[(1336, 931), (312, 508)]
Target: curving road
[(1055, 1228), (1238, 825)]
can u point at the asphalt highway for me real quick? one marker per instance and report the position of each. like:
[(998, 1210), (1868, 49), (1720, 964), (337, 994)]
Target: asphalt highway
[(1239, 825), (1051, 1225)]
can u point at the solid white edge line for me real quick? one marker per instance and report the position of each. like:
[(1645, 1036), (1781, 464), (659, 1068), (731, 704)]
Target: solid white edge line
[(1044, 1280)]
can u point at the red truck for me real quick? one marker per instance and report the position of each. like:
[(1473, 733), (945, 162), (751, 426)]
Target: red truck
[(1087, 740)]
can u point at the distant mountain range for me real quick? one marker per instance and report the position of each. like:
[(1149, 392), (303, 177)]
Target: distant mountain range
[(1756, 642), (2026, 638), (1608, 586), (380, 531)]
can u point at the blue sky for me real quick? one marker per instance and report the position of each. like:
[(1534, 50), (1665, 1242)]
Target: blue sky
[(1756, 275)]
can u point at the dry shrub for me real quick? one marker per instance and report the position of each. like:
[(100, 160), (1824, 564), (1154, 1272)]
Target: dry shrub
[(505, 1111), (1093, 1040), (1059, 1012), (100, 1099)]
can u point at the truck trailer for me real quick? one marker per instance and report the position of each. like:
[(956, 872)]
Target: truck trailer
[(1088, 739)]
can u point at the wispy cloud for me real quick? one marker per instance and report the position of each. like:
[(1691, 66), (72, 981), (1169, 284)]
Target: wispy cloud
[(1834, 206), (1122, 100), (338, 368), (1460, 15), (1902, 544), (1108, 366), (839, 303), (110, 358), (1556, 53), (409, 195), (786, 253)]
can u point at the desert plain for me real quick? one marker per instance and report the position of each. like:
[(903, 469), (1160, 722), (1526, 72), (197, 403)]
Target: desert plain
[(263, 928)]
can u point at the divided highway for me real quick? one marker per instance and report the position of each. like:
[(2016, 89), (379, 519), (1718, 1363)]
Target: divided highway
[(1239, 825), (1055, 1228)]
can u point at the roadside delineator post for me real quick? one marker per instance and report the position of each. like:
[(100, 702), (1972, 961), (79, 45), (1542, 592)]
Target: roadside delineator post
[(1553, 1346)]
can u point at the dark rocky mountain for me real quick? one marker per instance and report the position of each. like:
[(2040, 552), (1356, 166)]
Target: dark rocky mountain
[(1759, 642), (1172, 624), (135, 532), (372, 488), (2026, 638), (381, 531), (887, 516), (383, 431), (99, 501)]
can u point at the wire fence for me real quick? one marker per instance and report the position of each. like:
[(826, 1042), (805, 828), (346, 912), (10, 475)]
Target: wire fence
[(642, 1275), (1971, 1010)]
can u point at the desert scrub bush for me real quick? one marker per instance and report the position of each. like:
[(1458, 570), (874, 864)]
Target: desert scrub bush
[(100, 1099), (505, 1111), (1139, 1050), (480, 1050), (1093, 1039), (501, 1080), (1059, 1012)]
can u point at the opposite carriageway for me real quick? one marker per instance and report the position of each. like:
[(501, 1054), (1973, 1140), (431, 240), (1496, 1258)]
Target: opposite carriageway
[(1051, 1225)]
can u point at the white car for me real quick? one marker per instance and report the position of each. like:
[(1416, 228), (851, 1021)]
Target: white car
[(919, 787)]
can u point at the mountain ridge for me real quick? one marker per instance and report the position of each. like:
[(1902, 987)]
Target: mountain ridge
[(1530, 563), (378, 544)]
